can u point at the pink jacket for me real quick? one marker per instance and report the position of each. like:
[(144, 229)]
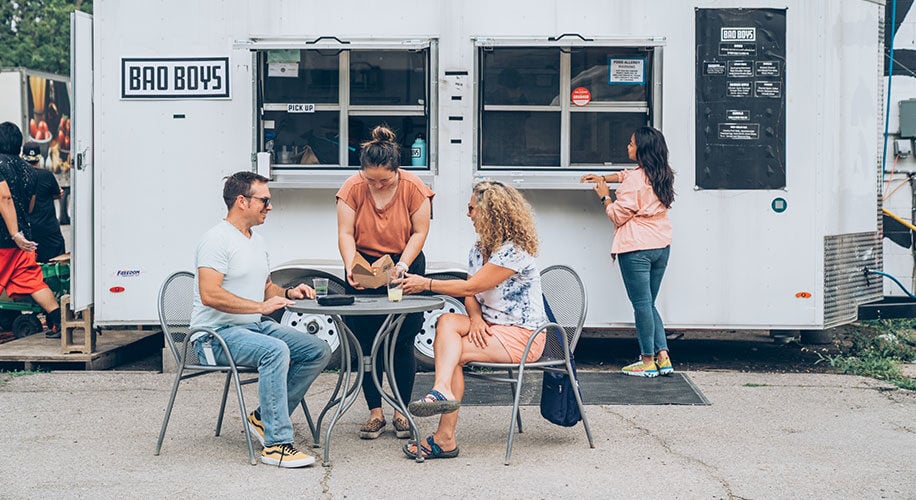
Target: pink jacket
[(641, 220)]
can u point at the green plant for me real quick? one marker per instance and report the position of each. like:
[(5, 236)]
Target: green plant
[(876, 349), (7, 376)]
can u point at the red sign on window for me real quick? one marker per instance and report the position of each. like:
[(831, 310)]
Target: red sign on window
[(581, 96)]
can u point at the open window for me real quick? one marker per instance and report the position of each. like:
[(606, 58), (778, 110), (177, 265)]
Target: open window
[(317, 101), (550, 109)]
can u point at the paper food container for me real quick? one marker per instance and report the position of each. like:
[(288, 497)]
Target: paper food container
[(371, 275)]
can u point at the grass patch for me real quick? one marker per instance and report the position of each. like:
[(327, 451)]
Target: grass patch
[(876, 349), (7, 376)]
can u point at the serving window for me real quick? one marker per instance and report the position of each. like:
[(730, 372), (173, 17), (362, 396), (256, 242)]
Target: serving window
[(545, 107), (317, 105)]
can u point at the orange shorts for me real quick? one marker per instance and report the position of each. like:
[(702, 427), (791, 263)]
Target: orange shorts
[(514, 339), (20, 274)]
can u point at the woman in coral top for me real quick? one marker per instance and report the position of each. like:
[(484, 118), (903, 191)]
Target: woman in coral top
[(642, 240), (383, 210)]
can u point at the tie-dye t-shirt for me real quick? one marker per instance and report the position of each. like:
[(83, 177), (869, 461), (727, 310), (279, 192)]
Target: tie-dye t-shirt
[(516, 301)]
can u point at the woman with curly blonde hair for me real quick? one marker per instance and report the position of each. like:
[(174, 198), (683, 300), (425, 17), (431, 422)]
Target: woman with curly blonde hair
[(502, 296)]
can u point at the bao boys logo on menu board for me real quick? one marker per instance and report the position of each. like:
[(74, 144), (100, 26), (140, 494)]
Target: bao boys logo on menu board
[(175, 78)]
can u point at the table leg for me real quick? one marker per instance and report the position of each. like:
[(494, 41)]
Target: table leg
[(387, 336), (351, 393)]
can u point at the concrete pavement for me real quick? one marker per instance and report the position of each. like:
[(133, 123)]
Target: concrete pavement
[(92, 435)]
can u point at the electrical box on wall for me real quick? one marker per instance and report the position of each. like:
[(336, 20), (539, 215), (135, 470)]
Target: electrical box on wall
[(903, 148), (908, 118)]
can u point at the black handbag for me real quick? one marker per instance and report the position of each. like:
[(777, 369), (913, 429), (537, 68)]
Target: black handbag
[(558, 401)]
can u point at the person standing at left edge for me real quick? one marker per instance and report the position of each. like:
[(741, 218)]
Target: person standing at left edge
[(233, 291), (20, 274)]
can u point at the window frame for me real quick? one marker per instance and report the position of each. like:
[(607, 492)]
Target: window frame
[(332, 175), (565, 175)]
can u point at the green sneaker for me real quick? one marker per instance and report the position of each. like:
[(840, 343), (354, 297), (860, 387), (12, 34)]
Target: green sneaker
[(640, 369), (664, 366)]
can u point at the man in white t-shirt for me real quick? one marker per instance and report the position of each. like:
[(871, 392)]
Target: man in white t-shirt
[(233, 292)]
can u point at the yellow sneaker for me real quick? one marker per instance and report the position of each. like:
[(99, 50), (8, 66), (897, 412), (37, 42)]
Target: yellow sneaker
[(640, 369), (256, 426), (285, 455), (664, 366)]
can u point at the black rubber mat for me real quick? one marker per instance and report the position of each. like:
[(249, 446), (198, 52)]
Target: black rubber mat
[(598, 388)]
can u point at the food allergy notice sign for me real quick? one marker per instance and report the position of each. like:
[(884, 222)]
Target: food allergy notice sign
[(740, 98), (175, 78)]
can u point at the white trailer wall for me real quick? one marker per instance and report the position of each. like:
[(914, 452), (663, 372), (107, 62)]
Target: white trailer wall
[(735, 262)]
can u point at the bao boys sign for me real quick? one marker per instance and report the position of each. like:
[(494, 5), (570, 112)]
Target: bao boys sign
[(175, 78)]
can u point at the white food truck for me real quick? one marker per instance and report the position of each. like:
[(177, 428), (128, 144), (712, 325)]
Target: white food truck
[(772, 110)]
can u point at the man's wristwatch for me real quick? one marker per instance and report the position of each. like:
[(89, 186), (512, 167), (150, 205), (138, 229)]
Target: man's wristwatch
[(605, 198), (286, 293)]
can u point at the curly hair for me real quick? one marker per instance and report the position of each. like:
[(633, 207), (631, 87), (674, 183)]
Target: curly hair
[(503, 215)]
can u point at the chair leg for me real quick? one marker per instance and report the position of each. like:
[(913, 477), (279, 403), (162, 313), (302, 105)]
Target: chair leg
[(518, 416), (238, 389), (168, 409), (222, 405), (512, 420), (578, 394), (308, 418)]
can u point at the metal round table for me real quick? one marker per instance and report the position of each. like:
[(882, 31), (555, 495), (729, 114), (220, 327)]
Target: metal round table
[(385, 339)]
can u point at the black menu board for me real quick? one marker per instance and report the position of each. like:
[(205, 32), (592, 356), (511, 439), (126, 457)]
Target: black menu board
[(740, 98)]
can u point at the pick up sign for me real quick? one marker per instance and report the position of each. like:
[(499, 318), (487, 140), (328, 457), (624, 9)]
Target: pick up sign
[(175, 78)]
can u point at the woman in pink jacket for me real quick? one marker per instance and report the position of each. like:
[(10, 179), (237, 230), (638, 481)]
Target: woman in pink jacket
[(642, 240)]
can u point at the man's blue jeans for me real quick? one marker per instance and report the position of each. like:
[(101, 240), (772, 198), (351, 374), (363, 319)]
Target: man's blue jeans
[(642, 272), (288, 361)]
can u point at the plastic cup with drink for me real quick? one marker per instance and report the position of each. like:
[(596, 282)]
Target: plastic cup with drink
[(321, 286), (395, 292)]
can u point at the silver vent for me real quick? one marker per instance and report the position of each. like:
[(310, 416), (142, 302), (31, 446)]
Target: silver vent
[(845, 284)]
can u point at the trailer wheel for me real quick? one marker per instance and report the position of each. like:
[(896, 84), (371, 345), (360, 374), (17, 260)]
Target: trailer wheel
[(320, 325), (423, 343), (6, 319), (25, 325)]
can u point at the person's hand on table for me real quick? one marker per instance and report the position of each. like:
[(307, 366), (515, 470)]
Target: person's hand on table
[(479, 333), (414, 283), (301, 291), (274, 303)]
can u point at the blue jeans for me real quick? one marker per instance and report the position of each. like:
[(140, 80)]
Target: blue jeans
[(288, 361), (642, 272)]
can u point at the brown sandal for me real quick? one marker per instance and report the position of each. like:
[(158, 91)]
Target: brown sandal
[(401, 427), (373, 428)]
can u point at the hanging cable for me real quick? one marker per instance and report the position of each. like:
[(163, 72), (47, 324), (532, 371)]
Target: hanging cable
[(895, 280), (890, 74)]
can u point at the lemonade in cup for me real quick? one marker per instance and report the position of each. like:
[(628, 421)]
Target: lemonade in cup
[(395, 292)]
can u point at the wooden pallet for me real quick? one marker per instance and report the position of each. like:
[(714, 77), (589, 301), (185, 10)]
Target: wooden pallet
[(112, 347)]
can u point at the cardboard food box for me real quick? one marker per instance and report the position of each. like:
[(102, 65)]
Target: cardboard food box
[(371, 275)]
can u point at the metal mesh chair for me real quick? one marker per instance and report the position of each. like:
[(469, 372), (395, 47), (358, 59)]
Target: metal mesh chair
[(176, 298), (565, 294)]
